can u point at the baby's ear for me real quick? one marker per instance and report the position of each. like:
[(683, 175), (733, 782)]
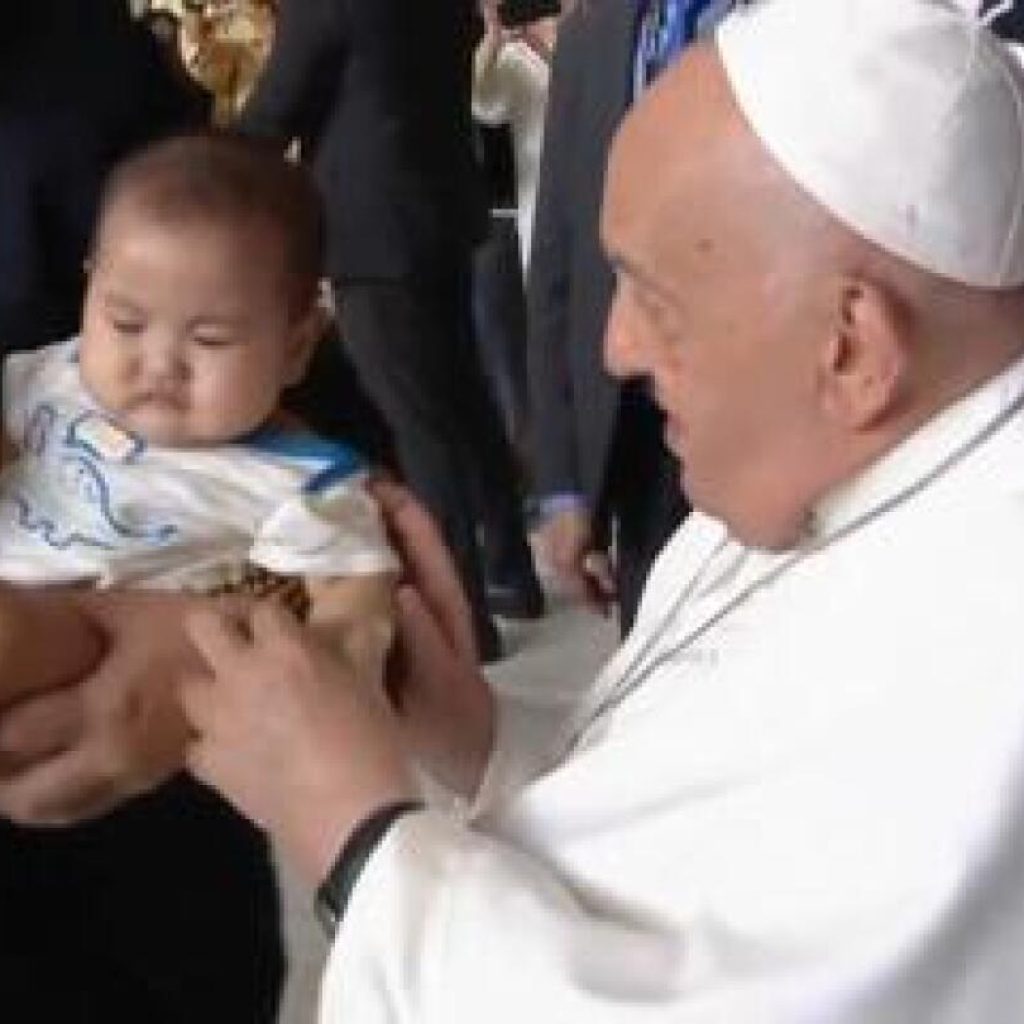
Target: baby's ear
[(306, 333)]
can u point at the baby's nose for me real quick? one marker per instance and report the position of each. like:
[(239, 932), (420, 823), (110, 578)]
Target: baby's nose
[(165, 362)]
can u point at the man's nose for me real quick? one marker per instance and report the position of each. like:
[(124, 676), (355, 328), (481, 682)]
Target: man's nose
[(621, 356)]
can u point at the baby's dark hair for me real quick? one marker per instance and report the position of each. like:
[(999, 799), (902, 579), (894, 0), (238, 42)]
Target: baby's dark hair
[(231, 180)]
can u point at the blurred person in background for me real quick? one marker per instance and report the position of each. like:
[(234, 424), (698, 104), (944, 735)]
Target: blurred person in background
[(66, 116), (511, 69), (166, 27), (605, 482), (379, 97), (510, 85)]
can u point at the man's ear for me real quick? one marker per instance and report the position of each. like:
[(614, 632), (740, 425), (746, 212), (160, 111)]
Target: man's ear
[(306, 332), (864, 363)]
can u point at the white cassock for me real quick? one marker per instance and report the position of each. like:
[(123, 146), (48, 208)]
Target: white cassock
[(796, 794)]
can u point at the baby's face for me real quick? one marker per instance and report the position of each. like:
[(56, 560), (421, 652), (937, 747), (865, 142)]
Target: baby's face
[(187, 335)]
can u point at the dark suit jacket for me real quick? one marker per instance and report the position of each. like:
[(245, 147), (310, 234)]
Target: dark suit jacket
[(1009, 25), (80, 86), (570, 282), (378, 92)]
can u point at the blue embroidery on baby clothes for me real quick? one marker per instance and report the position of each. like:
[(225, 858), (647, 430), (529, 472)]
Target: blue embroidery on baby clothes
[(81, 478), (39, 428), (46, 529), (74, 478)]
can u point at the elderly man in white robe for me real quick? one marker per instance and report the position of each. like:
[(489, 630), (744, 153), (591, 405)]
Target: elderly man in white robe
[(797, 792)]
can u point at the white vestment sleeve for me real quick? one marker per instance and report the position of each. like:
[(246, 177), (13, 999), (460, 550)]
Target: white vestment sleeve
[(448, 926), (529, 738), (811, 810)]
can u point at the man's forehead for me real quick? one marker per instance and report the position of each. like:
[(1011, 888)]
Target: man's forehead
[(630, 208), (663, 159)]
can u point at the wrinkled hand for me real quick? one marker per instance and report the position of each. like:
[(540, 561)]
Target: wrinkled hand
[(77, 752), (566, 543), (287, 734), (443, 701)]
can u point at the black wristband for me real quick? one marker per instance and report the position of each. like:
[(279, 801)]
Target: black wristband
[(334, 891)]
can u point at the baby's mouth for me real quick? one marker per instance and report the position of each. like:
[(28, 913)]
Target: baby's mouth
[(159, 399)]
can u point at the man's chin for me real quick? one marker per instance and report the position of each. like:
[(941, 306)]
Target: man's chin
[(757, 531)]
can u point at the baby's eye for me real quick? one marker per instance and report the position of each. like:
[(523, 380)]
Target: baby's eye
[(128, 328), (213, 340)]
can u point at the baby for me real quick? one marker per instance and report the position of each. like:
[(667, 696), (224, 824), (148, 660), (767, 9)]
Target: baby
[(152, 451)]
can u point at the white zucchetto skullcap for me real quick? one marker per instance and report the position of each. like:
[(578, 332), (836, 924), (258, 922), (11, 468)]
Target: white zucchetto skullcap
[(903, 118)]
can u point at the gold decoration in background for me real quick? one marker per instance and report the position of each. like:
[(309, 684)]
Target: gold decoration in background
[(224, 44)]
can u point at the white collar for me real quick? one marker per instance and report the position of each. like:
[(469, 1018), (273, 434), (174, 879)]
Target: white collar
[(897, 476)]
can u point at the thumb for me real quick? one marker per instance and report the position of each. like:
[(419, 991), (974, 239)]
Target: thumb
[(422, 651)]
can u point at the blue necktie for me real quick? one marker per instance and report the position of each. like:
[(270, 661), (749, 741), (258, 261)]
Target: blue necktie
[(665, 27)]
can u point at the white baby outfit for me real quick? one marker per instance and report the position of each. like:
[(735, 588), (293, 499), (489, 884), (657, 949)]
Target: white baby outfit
[(89, 501)]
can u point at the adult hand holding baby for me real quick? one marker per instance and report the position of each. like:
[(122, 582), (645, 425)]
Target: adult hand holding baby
[(287, 734), (305, 749), (79, 750)]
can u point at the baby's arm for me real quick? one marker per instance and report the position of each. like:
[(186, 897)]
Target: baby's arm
[(355, 616)]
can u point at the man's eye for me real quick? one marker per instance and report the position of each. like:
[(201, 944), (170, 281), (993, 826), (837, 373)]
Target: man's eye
[(658, 314)]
